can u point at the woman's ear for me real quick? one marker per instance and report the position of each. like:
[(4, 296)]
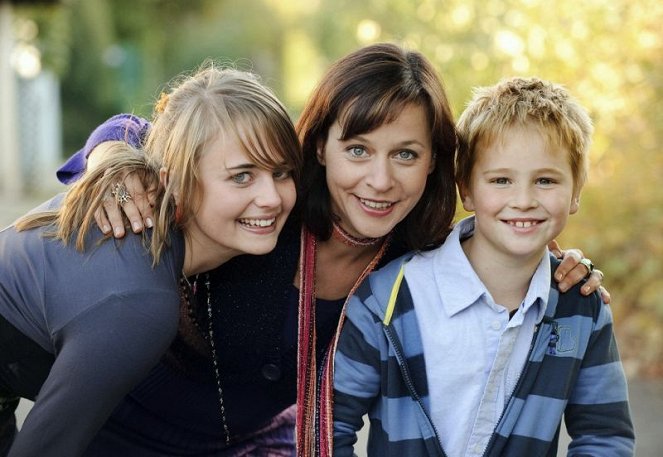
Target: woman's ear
[(164, 178), (320, 153)]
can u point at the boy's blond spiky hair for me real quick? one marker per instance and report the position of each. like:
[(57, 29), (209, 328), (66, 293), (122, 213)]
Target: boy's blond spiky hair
[(518, 101)]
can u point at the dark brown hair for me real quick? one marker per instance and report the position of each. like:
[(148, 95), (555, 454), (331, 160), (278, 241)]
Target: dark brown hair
[(363, 91)]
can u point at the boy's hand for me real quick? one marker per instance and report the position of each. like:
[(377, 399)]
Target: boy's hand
[(571, 271)]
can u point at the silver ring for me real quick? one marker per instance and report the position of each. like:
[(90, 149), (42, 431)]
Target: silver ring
[(587, 263), (120, 192)]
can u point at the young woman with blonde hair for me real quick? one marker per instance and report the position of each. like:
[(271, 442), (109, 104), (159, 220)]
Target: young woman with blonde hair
[(84, 318)]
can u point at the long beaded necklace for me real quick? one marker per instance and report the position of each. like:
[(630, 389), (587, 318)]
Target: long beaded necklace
[(209, 336)]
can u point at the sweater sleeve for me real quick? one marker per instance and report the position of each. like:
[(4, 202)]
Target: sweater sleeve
[(597, 416), (100, 356), (356, 374)]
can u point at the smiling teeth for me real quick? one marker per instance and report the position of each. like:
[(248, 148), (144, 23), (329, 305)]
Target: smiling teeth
[(523, 224), (374, 204), (258, 222)]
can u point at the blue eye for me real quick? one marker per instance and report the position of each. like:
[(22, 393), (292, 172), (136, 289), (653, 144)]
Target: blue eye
[(356, 151), (545, 181), (501, 180), (241, 178), (282, 175), (407, 155)]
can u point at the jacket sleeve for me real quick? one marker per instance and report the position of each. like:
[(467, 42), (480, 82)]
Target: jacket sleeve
[(356, 374), (100, 356), (597, 416)]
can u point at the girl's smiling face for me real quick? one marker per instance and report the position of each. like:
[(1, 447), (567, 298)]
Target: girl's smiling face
[(243, 207)]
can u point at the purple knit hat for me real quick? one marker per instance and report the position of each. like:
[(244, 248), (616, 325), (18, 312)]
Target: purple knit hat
[(121, 127)]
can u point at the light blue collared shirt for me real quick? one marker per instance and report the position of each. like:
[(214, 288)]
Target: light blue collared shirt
[(474, 353)]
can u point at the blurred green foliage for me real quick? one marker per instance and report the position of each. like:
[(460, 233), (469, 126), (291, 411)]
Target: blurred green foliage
[(115, 55)]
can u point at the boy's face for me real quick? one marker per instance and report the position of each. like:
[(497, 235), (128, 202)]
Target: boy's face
[(521, 191)]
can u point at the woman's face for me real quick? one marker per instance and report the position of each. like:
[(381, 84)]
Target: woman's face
[(243, 207), (376, 178)]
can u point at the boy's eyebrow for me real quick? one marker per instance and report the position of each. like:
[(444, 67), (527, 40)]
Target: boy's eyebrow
[(497, 170), (537, 170), (550, 170)]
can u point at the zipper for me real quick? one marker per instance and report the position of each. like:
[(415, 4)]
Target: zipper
[(528, 364), (410, 385)]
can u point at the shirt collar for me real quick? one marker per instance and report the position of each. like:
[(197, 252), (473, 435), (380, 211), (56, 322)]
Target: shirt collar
[(539, 288), (456, 279), (454, 276)]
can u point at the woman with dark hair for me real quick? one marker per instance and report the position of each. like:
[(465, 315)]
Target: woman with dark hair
[(379, 142)]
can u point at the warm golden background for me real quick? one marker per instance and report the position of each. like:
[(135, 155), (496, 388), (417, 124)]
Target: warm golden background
[(67, 65), (109, 56)]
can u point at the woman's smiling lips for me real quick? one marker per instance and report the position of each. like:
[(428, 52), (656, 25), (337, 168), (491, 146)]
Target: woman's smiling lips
[(380, 207), (259, 224)]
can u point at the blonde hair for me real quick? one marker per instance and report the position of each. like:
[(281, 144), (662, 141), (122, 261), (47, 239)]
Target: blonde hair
[(187, 118), (76, 213), (524, 101)]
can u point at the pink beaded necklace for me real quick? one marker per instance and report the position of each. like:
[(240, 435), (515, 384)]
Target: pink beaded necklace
[(343, 236)]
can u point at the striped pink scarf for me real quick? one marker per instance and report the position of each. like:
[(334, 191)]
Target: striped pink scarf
[(314, 425)]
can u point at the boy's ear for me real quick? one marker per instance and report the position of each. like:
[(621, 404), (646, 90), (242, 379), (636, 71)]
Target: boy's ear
[(466, 198), (575, 204)]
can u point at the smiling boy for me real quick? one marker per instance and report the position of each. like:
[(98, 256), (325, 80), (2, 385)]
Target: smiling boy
[(469, 349)]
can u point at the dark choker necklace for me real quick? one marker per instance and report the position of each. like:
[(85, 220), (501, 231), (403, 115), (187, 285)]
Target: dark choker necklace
[(346, 238)]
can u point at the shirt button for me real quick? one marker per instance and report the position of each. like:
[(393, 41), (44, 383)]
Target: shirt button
[(478, 448), (496, 325), (271, 372)]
